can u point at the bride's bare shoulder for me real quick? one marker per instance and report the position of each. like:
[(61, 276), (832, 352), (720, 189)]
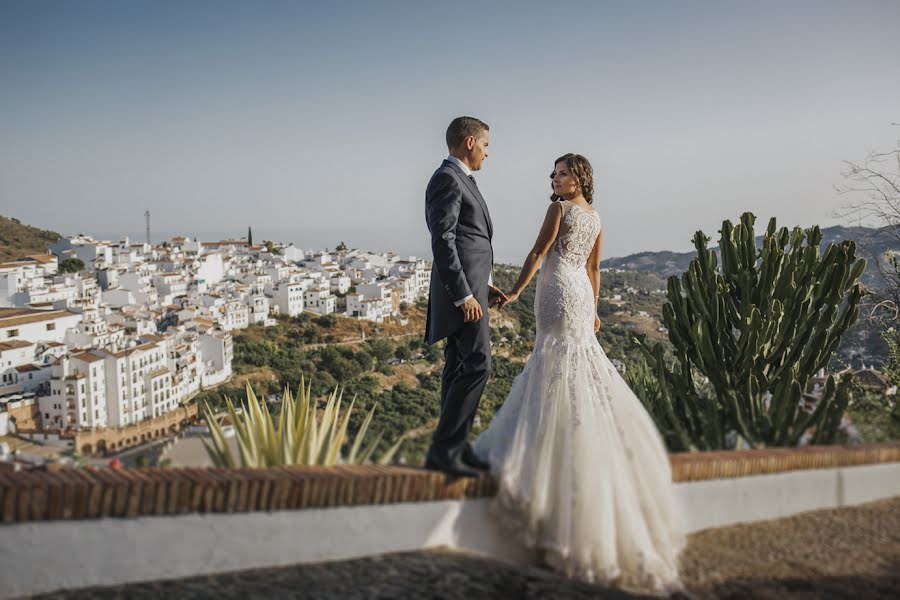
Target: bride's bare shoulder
[(555, 209)]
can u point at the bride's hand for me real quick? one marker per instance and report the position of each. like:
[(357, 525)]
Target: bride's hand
[(596, 323), (511, 297)]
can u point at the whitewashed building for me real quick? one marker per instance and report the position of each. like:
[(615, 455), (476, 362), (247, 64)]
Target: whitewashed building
[(36, 325), (287, 298), (234, 315), (77, 393), (14, 353), (360, 308), (216, 354), (319, 301)]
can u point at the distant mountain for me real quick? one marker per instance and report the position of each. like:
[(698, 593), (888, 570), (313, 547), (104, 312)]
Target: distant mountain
[(869, 242), (17, 240), (861, 345)]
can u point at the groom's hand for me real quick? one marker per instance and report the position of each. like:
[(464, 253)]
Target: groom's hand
[(471, 310), (496, 297)]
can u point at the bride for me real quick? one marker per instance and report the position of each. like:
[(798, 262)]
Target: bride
[(583, 474)]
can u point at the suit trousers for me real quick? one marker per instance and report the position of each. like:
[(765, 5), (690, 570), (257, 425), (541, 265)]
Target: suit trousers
[(467, 366)]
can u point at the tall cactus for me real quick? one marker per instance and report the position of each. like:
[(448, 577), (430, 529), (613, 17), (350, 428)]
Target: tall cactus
[(757, 329)]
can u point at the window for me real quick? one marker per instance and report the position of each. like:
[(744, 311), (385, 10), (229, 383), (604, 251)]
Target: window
[(51, 326), (11, 333)]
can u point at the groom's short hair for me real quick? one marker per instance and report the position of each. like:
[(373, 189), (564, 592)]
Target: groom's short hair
[(462, 127)]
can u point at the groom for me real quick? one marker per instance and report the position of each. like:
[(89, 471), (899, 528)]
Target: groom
[(461, 291)]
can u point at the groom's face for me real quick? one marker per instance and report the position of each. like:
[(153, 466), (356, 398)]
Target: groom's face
[(477, 149)]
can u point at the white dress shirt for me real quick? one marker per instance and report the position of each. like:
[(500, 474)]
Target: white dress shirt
[(468, 173)]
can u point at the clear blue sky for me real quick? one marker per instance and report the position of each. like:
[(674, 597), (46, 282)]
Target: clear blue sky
[(315, 122)]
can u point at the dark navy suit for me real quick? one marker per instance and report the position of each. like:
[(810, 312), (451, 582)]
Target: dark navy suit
[(461, 232)]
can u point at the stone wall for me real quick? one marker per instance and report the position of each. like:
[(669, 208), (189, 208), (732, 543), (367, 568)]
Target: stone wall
[(96, 441), (25, 414)]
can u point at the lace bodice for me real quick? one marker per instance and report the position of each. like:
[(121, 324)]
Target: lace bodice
[(564, 304), (578, 231)]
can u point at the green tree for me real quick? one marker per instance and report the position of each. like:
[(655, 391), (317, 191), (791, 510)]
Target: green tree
[(382, 350), (402, 352), (71, 265)]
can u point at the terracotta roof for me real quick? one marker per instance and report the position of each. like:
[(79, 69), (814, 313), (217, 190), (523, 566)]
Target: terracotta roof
[(13, 344), (870, 378), (26, 368), (87, 357), (158, 372), (10, 317), (131, 351), (41, 258)]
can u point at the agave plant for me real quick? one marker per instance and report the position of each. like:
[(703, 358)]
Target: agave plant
[(298, 438)]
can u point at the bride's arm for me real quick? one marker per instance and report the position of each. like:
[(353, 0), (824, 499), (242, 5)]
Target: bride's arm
[(593, 268), (545, 239)]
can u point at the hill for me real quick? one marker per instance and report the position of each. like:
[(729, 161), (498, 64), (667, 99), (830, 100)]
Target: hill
[(17, 240), (871, 241), (862, 344)]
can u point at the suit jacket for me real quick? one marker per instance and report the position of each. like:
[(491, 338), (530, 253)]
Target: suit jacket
[(461, 232)]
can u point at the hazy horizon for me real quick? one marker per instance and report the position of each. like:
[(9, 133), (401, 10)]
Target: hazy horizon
[(314, 119)]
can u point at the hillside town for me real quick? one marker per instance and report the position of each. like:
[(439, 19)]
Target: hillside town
[(136, 329), (103, 344)]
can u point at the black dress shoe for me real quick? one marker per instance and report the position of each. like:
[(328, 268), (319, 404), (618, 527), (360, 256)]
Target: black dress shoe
[(471, 459), (452, 466)]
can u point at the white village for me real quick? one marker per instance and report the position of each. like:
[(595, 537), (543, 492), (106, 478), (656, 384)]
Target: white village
[(124, 343)]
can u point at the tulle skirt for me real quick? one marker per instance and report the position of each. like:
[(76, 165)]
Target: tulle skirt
[(583, 474)]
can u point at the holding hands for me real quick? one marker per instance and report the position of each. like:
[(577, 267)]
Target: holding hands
[(472, 309), (496, 297), (507, 298)]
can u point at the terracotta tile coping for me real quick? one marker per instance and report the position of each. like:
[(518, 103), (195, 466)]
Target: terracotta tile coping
[(696, 466), (102, 492)]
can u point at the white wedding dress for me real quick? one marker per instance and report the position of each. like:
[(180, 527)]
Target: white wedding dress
[(582, 472)]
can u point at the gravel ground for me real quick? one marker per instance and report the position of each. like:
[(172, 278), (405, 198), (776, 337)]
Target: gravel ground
[(837, 553), (840, 553)]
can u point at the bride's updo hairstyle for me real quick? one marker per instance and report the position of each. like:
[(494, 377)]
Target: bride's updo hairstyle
[(582, 171)]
